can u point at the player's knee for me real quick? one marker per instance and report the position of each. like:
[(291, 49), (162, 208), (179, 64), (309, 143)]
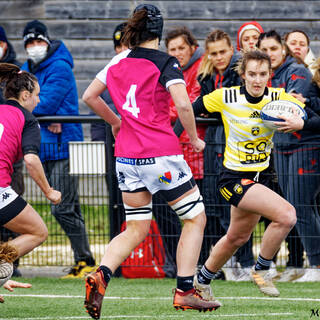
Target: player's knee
[(42, 234), (238, 240), (288, 218), (190, 207), (137, 230)]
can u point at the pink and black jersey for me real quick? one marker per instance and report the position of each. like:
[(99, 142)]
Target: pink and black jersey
[(138, 82), (19, 135)]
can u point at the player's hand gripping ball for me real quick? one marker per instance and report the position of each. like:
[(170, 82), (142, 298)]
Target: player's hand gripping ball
[(6, 270), (272, 110)]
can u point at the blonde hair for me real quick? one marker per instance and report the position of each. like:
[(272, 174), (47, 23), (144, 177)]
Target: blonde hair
[(206, 66), (316, 76)]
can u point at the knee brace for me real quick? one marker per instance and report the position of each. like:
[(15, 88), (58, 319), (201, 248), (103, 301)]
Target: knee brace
[(190, 206), (138, 213)]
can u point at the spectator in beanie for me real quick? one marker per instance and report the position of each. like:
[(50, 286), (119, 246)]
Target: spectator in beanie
[(51, 62)]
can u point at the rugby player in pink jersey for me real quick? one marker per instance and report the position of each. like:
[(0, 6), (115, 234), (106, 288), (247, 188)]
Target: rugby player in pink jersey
[(20, 138), (149, 160)]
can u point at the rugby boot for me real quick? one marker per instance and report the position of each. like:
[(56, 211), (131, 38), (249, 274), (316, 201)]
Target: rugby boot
[(191, 299), (263, 279), (95, 290), (204, 290)]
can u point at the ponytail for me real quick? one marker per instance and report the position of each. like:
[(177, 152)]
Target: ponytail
[(15, 80)]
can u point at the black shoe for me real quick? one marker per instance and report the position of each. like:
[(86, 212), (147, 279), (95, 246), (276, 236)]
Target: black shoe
[(219, 275), (16, 272)]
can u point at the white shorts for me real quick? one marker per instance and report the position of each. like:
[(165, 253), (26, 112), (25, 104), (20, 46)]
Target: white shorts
[(154, 174)]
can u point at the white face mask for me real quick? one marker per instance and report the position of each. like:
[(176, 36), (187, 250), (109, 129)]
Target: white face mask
[(1, 53), (37, 53)]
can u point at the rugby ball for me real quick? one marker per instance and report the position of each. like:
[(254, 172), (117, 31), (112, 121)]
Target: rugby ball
[(6, 270), (272, 110)]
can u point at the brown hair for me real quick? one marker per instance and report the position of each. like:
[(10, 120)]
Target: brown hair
[(257, 55), (135, 32), (183, 32), (206, 66), (276, 36), (15, 80), (286, 36)]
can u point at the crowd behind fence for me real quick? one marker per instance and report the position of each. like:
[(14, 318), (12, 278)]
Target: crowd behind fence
[(100, 200)]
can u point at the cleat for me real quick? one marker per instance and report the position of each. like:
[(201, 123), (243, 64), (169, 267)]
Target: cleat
[(79, 271), (204, 289), (191, 299), (95, 290), (263, 279)]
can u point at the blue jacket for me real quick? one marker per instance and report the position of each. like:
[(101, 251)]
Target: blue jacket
[(58, 96), (293, 77)]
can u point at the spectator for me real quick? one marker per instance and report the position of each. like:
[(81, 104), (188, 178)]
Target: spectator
[(8, 55), (296, 159), (51, 62), (148, 155), (248, 35), (217, 70), (181, 44), (299, 44)]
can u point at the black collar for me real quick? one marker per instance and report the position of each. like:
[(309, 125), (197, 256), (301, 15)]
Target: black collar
[(13, 103), (250, 98)]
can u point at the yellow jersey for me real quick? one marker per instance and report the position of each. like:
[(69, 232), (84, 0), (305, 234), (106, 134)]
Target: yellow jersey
[(248, 140)]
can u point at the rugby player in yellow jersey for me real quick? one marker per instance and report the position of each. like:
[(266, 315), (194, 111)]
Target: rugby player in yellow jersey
[(245, 177)]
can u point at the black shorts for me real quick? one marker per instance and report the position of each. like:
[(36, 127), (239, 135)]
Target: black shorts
[(10, 211), (233, 185)]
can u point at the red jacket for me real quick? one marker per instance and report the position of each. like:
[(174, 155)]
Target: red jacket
[(194, 159)]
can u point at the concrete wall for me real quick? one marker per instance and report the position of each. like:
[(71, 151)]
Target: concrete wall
[(86, 26)]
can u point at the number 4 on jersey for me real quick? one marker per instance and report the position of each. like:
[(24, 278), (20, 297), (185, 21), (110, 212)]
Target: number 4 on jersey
[(131, 104)]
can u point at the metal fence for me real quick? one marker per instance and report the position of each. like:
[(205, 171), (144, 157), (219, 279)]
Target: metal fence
[(102, 209)]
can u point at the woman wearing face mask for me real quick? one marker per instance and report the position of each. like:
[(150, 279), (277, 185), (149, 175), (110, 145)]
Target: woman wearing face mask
[(296, 161), (51, 62), (299, 44)]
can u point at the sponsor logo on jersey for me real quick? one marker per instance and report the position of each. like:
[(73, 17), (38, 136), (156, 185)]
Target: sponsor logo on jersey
[(226, 193), (166, 178), (296, 77), (181, 175), (254, 115), (145, 161), (255, 131), (5, 196), (121, 177), (238, 188), (126, 160), (246, 182), (176, 65)]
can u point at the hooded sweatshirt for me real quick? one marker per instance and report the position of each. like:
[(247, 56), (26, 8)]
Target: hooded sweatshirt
[(293, 77), (190, 71), (58, 96)]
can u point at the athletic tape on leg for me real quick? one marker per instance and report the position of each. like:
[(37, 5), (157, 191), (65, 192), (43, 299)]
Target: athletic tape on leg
[(138, 213), (190, 206)]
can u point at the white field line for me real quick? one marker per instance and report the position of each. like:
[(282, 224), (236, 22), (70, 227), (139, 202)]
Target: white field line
[(162, 317), (57, 296)]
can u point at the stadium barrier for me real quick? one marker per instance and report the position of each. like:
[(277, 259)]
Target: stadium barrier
[(101, 206)]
